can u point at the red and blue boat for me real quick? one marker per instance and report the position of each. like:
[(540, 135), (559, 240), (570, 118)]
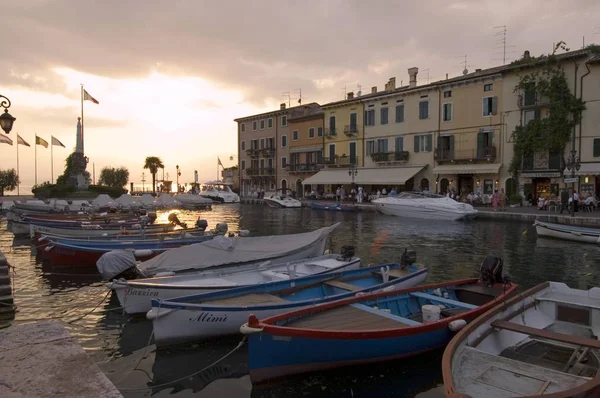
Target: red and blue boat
[(372, 328)]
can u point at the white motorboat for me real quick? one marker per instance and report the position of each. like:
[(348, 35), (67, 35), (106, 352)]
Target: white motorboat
[(425, 205), (220, 192), (282, 200), (33, 206), (191, 201), (567, 232), (135, 295)]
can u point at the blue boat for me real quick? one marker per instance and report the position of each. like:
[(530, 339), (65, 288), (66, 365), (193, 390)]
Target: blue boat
[(331, 206), (201, 316), (358, 330)]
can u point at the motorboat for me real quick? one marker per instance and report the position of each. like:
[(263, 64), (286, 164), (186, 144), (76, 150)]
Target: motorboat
[(194, 202), (219, 192), (567, 232), (425, 205), (282, 200), (540, 343), (103, 203), (167, 201)]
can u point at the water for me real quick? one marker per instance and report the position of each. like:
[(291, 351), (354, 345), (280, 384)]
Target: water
[(118, 343)]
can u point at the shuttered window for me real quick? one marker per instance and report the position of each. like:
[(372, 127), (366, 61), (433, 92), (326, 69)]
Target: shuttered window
[(596, 147)]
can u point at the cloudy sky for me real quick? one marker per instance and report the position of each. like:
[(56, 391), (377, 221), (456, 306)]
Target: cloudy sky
[(172, 75)]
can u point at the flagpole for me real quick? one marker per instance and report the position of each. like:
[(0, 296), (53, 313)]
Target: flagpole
[(18, 185), (52, 162), (35, 159), (82, 151)]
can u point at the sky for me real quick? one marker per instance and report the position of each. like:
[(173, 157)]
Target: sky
[(172, 75)]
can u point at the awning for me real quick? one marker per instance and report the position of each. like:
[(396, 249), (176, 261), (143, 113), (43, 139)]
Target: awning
[(365, 176), (587, 169), (482, 168)]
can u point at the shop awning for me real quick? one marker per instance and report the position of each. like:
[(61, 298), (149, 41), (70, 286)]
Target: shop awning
[(587, 169), (365, 176), (482, 168)]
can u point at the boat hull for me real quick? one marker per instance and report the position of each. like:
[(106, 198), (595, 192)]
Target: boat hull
[(567, 232), (64, 256), (282, 205), (424, 212), (83, 232), (331, 207)]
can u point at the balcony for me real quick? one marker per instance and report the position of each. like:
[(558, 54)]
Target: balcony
[(261, 171), (341, 161), (482, 154), (331, 133), (267, 152), (253, 153), (302, 168), (351, 130), (543, 161), (390, 157)]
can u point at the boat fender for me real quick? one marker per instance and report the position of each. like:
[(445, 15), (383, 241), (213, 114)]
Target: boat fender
[(43, 238), (251, 326), (327, 252), (142, 253), (385, 274), (437, 292), (167, 273), (457, 325), (49, 247), (244, 232)]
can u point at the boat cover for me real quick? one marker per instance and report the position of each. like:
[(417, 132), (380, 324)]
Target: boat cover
[(223, 250), (147, 200), (126, 200), (167, 200), (103, 200), (190, 199), (114, 263)]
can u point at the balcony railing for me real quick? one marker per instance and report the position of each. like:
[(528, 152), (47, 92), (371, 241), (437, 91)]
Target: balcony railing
[(304, 168), (267, 152), (253, 153), (386, 157), (351, 130), (553, 161), (341, 161), (481, 154), (260, 171), (331, 133)]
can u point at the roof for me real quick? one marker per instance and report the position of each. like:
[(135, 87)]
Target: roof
[(276, 112), (305, 114)]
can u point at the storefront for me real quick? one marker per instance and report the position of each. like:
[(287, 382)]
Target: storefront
[(589, 179), (467, 178), (540, 185)]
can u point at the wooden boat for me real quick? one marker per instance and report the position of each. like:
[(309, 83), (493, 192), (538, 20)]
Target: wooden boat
[(541, 343), (331, 206), (97, 230), (220, 313), (568, 232), (372, 328), (135, 295)]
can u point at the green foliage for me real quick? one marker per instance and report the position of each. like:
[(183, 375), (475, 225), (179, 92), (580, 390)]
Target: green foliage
[(114, 177), (515, 199), (9, 179), (47, 190), (153, 163), (593, 48), (110, 191), (551, 133), (74, 164)]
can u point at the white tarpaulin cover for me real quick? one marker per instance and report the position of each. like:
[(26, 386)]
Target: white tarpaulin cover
[(147, 199), (223, 250), (126, 200), (114, 263), (167, 200), (103, 200), (189, 199)]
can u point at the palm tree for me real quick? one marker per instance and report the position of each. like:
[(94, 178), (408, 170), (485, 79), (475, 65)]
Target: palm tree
[(153, 163)]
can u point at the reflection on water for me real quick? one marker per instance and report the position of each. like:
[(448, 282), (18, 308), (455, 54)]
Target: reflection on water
[(452, 250)]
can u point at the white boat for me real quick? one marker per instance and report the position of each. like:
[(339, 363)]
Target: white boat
[(33, 206), (135, 295), (103, 202), (86, 230), (220, 313), (542, 342), (425, 205), (220, 192), (127, 202), (147, 201), (167, 201), (80, 206), (567, 232), (284, 201), (192, 201)]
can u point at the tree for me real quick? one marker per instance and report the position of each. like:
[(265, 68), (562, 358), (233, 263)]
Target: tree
[(114, 177), (153, 163), (75, 164), (8, 180)]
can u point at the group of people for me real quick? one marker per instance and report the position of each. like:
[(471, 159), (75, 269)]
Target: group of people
[(498, 199), (576, 200), (355, 194)]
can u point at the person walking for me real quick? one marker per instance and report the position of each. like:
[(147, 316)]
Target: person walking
[(575, 201), (495, 196), (564, 200), (502, 200), (359, 195)]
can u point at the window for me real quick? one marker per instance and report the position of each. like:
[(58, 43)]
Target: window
[(243, 127), (423, 143), (399, 113), (596, 147), (382, 145), (447, 112), (370, 147), (270, 122), (488, 87), (254, 144), (384, 115), (283, 162), (270, 163), (331, 125), (262, 124), (319, 131), (271, 142), (353, 123), (283, 121), (529, 116), (424, 110), (243, 163), (490, 105), (447, 94), (295, 135), (529, 95), (243, 145), (370, 117), (399, 144), (311, 132), (283, 141), (331, 152), (262, 143), (254, 125)]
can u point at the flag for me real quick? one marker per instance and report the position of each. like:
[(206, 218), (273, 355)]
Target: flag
[(41, 141), (21, 141), (220, 164), (88, 97), (57, 142), (5, 140)]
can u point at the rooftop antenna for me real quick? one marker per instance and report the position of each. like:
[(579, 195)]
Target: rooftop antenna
[(359, 92), (501, 41), (299, 90), (344, 88), (465, 64), (426, 70), (287, 93)]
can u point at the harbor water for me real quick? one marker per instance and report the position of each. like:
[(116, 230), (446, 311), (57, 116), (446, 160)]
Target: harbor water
[(122, 345)]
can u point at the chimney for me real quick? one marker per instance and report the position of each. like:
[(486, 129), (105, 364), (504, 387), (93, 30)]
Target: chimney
[(446, 76), (350, 95), (526, 54), (391, 84), (373, 89), (412, 74), (477, 70), (282, 106)]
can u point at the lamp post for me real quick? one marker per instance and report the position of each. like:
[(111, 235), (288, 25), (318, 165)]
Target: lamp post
[(6, 119), (177, 177), (143, 181), (573, 165), (352, 171)]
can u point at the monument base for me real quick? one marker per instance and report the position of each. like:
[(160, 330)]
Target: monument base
[(82, 182)]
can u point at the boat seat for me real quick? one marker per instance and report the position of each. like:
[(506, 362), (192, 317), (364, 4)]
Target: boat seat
[(443, 300), (571, 299), (387, 315), (546, 334), (342, 285)]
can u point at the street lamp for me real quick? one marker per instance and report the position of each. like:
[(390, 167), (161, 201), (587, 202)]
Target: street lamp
[(6, 120), (573, 165), (177, 177), (352, 172)]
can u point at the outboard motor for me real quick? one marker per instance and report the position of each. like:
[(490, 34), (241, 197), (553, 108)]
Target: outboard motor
[(347, 252), (174, 220), (152, 217), (490, 271), (201, 224), (221, 228), (408, 258)]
